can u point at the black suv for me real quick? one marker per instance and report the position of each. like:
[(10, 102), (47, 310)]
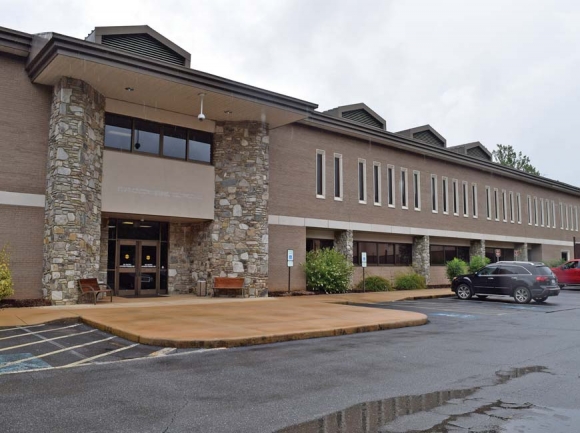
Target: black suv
[(522, 280)]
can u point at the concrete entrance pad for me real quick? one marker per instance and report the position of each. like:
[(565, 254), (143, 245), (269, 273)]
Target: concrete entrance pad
[(187, 321)]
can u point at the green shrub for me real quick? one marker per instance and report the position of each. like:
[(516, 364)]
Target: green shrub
[(374, 284), (328, 271), (478, 262), (410, 281), (555, 263), (6, 285), (455, 267)]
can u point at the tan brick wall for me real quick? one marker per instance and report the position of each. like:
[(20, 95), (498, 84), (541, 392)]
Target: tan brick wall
[(22, 228), (24, 116), (292, 183), (281, 239)]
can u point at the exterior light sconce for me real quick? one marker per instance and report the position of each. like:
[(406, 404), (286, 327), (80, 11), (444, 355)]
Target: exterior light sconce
[(201, 116)]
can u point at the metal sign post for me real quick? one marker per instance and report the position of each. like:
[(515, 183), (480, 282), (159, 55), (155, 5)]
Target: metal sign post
[(290, 257), (497, 254), (363, 260)]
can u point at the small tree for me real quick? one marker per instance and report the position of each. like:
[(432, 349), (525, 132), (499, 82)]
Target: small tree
[(455, 267), (478, 262), (6, 285), (506, 155), (327, 271)]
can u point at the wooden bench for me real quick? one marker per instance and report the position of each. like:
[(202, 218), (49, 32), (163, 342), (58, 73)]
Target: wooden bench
[(228, 284), (92, 288)]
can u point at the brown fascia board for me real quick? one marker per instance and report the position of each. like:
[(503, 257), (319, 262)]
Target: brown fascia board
[(71, 47), (15, 42), (321, 121)]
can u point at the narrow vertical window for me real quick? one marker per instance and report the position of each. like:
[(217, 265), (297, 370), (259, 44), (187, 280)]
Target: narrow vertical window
[(571, 217), (529, 210), (455, 198), (561, 217), (465, 196), (434, 198), (496, 204), (519, 207), (320, 174), (536, 211), (548, 214), (504, 205), (542, 214), (404, 192), (377, 183), (444, 186), (566, 211), (576, 216), (362, 181), (553, 214), (417, 190), (511, 207), (391, 185), (488, 202), (474, 199), (337, 176)]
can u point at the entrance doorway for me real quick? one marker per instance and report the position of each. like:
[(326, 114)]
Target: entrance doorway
[(138, 269)]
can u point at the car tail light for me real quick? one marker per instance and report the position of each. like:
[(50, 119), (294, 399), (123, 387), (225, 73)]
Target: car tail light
[(542, 279)]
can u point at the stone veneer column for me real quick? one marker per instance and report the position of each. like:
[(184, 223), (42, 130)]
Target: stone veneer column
[(477, 248), (73, 194), (239, 233), (343, 242), (522, 252), (421, 256)]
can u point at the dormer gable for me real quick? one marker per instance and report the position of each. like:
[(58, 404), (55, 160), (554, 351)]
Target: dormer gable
[(426, 133), (359, 113), (142, 41), (475, 149)]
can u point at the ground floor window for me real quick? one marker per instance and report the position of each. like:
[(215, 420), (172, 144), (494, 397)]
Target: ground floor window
[(383, 253), (505, 254), (318, 244), (441, 254)]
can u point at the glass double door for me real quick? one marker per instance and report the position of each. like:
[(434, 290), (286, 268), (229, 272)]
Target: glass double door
[(138, 268)]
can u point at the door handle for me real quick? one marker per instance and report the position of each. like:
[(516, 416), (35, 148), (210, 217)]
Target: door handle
[(490, 278)]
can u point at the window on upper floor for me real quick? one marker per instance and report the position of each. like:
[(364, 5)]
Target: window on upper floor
[(320, 174), (417, 190), (542, 214), (488, 202), (455, 198), (519, 207), (391, 186), (561, 217), (535, 210), (530, 220), (404, 190), (496, 204), (474, 200), (548, 214), (465, 195), (377, 183), (362, 181), (141, 136), (445, 191), (338, 177), (511, 207), (434, 198), (553, 214), (504, 205)]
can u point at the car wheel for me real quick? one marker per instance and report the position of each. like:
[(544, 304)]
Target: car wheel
[(562, 286), (541, 300), (481, 296), (522, 295), (464, 292)]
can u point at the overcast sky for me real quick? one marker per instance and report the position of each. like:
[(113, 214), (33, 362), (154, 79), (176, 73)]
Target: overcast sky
[(492, 71)]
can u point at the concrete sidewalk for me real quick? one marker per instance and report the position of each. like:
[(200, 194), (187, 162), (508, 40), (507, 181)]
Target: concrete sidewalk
[(188, 321)]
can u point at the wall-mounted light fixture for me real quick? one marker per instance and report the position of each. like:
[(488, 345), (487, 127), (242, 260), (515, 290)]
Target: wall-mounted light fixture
[(201, 116)]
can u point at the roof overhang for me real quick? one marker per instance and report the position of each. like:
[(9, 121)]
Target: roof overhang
[(13, 42), (157, 84), (385, 138)]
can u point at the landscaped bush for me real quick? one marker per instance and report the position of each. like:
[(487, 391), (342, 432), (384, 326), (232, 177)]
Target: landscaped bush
[(455, 267), (327, 271), (374, 284), (555, 263), (478, 262), (6, 285), (410, 281)]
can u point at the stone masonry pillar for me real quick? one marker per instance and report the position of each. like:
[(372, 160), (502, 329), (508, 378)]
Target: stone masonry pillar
[(521, 251), (421, 256), (343, 242), (72, 229), (239, 233), (477, 248)]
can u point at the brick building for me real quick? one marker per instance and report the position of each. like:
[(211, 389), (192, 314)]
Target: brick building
[(106, 170)]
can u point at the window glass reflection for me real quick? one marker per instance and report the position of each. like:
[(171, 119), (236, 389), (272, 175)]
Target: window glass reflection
[(174, 140), (146, 137)]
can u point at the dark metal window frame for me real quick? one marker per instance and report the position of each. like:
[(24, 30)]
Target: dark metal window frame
[(356, 254), (445, 249), (190, 135)]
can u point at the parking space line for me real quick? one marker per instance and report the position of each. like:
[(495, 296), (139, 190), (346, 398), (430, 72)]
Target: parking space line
[(83, 361), (457, 310), (46, 340), (162, 352), (37, 332), (21, 328), (44, 355)]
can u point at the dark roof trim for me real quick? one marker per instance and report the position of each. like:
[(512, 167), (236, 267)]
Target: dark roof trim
[(338, 111), (75, 48), (14, 42), (322, 121)]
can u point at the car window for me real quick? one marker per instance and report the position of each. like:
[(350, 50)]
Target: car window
[(488, 270), (543, 270), (520, 270), (507, 270), (569, 265)]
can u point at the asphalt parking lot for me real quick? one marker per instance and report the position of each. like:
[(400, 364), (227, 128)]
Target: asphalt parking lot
[(58, 346), (454, 309)]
